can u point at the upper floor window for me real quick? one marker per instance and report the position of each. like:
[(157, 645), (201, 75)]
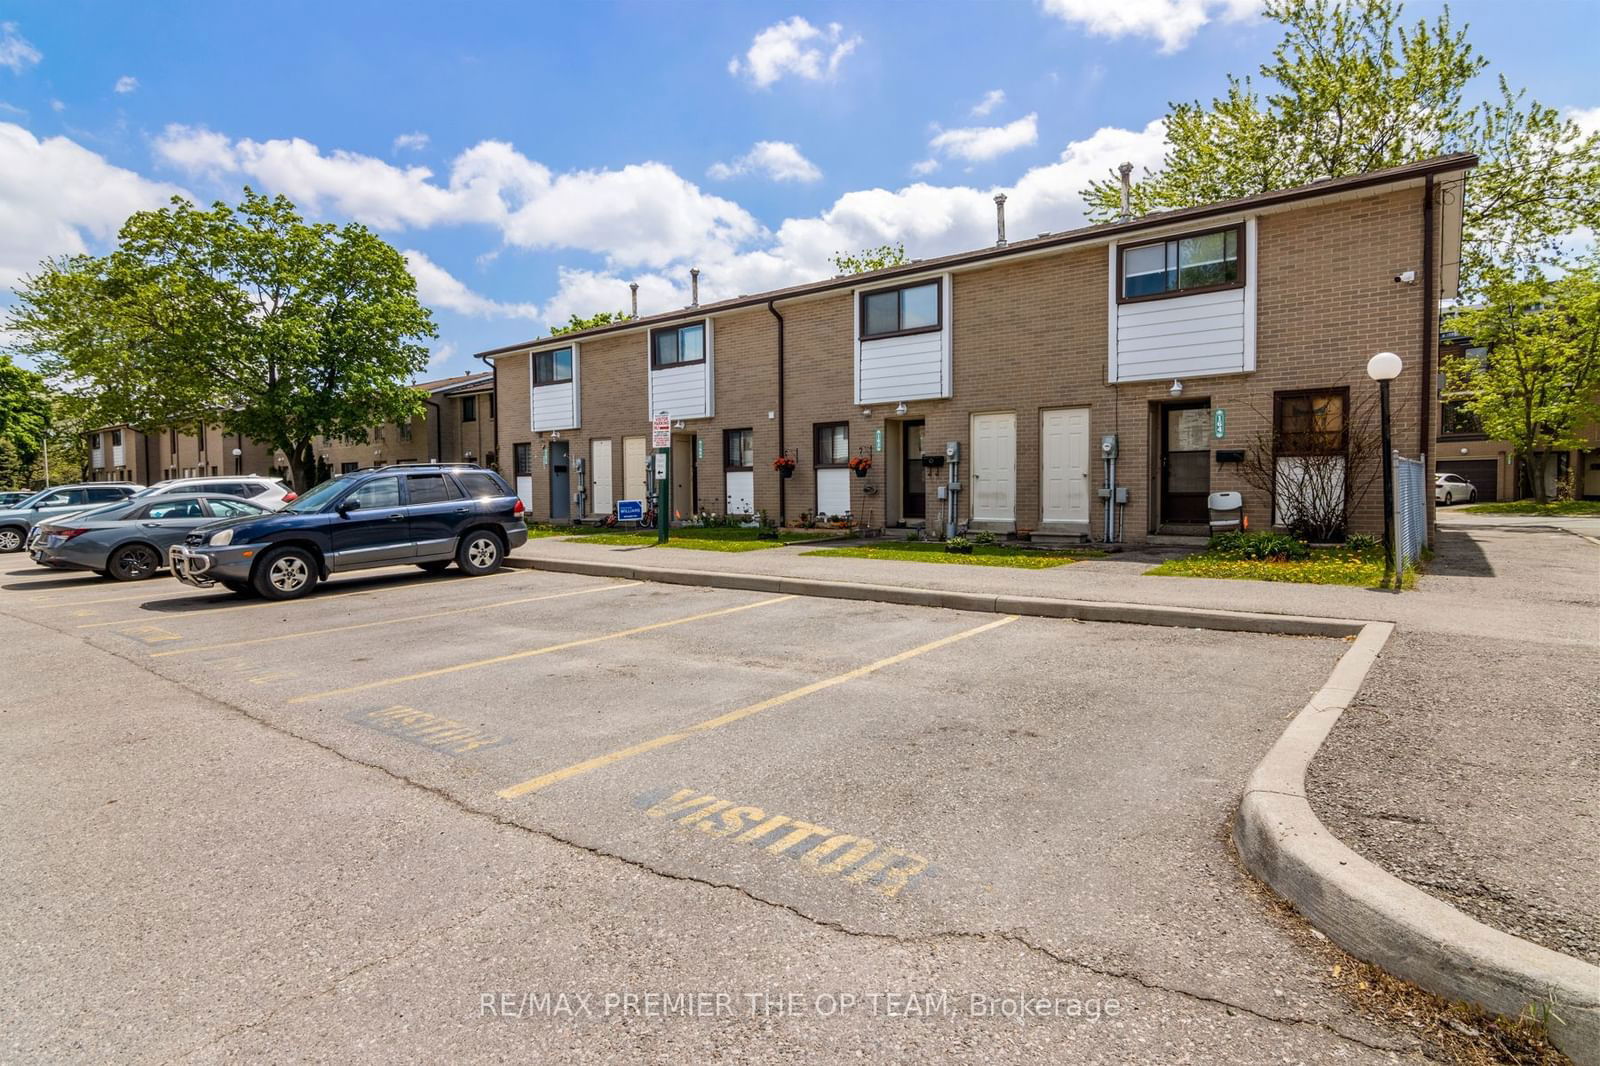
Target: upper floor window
[(490, 395), (172, 438), (1200, 262), (677, 346), (552, 368), (1312, 423), (833, 443), (1456, 421), (738, 449), (897, 312), (404, 429), (469, 408), (116, 438)]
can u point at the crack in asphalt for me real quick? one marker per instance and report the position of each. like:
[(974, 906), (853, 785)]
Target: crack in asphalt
[(925, 939)]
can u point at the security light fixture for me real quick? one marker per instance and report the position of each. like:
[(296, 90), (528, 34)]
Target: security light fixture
[(900, 408), (1177, 388)]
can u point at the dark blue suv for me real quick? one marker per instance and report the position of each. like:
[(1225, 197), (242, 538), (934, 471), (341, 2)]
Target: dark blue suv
[(430, 515)]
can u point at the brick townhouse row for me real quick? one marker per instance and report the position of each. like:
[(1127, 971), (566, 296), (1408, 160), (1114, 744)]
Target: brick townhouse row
[(457, 424), (990, 388)]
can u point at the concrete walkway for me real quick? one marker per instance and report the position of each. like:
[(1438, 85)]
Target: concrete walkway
[(1482, 583)]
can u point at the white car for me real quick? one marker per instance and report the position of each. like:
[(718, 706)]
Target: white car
[(1448, 488), (268, 492)]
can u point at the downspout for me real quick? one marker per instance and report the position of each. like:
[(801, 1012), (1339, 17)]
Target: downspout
[(494, 390), (438, 430), (783, 482), (1430, 307)]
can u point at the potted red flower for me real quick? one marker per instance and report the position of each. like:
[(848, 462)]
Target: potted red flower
[(861, 464), (784, 465)]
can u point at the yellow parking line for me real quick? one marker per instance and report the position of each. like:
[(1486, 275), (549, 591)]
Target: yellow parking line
[(46, 602), (535, 784), (536, 651), (395, 621)]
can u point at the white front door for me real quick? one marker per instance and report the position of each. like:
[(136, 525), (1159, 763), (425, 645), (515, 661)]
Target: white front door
[(1064, 465), (994, 467), (600, 476), (633, 469)]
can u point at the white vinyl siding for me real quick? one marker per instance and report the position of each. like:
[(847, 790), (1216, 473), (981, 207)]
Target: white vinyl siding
[(1203, 334), (912, 367), (556, 406), (683, 391)]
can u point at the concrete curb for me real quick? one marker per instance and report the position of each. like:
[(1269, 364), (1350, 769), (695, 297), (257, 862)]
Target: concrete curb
[(1382, 919), (990, 603)]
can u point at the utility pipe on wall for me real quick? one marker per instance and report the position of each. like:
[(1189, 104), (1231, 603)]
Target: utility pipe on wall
[(783, 486)]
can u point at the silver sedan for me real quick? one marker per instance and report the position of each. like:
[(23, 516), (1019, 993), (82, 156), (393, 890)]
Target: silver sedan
[(129, 541)]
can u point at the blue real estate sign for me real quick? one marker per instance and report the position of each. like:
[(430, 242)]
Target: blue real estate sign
[(630, 510)]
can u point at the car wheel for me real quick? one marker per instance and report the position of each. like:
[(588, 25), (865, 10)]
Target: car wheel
[(1448, 499), (434, 566), (1474, 497), (285, 574), (10, 539), (479, 552), (133, 562)]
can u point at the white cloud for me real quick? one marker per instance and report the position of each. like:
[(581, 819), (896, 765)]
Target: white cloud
[(642, 214), (979, 144), (57, 196), (411, 142), (437, 287), (924, 167), (57, 106), (794, 47), (1172, 22), (1587, 118), (16, 51), (442, 354), (195, 149), (778, 160), (126, 84), (991, 100)]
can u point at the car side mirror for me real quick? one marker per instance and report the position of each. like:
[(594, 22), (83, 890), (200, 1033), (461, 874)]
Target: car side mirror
[(347, 506)]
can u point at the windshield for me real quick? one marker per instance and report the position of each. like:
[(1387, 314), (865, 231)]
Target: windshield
[(103, 511), (154, 490), (33, 499), (315, 499)]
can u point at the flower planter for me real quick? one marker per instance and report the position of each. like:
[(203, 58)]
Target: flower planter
[(861, 472), (786, 471)]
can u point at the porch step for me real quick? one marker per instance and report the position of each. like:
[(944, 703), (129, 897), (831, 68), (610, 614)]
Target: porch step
[(1176, 540), (1059, 540)]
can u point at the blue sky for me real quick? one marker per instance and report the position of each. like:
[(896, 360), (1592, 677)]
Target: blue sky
[(531, 159)]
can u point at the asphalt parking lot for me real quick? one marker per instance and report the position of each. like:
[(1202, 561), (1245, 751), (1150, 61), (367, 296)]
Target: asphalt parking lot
[(312, 826)]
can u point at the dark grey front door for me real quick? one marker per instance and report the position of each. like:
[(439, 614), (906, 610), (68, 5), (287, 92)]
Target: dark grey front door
[(560, 480), (1185, 463), (914, 485)]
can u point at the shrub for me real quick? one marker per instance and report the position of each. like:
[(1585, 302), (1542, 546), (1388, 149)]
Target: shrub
[(958, 546), (982, 536), (1279, 547), (1361, 543)]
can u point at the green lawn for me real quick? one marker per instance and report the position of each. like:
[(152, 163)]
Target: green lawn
[(710, 539), (1529, 507), (552, 529), (1327, 566), (982, 554)]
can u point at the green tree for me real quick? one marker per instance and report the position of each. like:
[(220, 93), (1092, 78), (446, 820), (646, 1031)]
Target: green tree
[(1349, 89), (1539, 385), (248, 317), (24, 411), (599, 318), (887, 255)]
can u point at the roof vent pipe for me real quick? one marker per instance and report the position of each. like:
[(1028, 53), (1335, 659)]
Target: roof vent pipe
[(633, 288), (1000, 219), (694, 286), (1126, 170)]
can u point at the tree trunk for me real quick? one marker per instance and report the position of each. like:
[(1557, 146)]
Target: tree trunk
[(1534, 464)]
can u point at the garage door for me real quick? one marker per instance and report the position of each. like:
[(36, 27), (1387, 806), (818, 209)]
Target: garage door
[(1483, 473)]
